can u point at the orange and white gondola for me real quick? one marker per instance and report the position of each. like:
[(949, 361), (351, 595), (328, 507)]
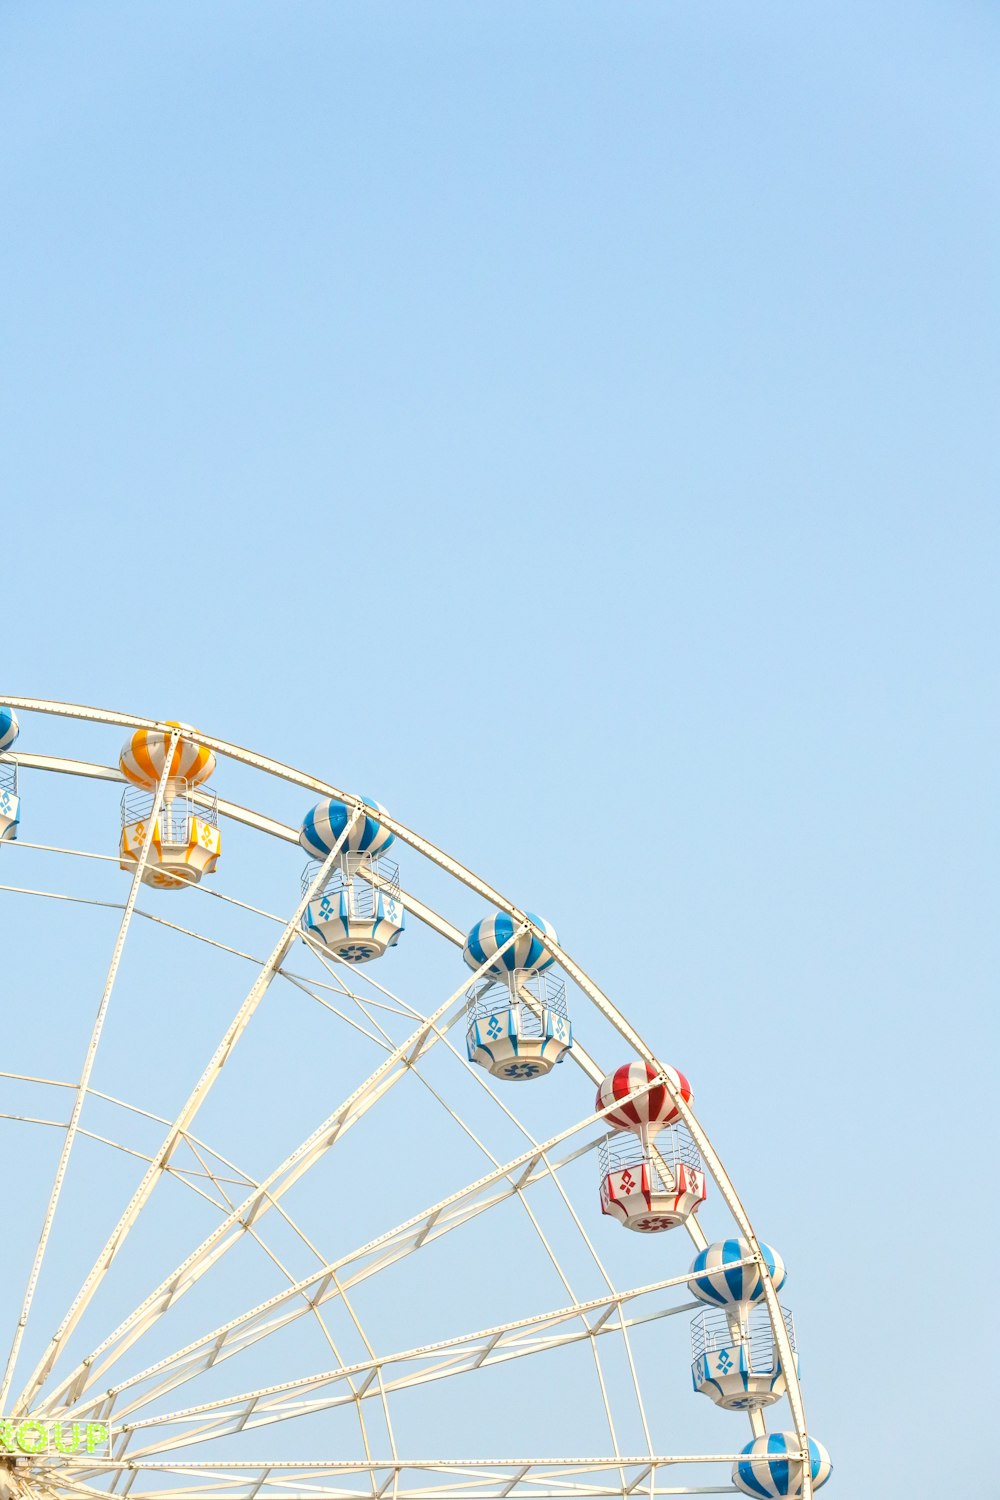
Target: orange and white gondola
[(186, 841)]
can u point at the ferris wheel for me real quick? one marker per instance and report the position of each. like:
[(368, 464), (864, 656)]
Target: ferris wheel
[(332, 1175)]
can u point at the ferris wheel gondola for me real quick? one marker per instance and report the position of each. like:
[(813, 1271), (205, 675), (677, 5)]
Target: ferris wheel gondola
[(10, 802)]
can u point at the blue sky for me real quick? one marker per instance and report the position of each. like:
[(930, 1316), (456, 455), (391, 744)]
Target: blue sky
[(571, 425)]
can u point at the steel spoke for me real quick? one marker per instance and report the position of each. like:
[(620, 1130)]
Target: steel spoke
[(88, 1067)]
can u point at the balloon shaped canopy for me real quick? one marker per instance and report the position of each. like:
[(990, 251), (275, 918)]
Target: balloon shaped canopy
[(145, 754), (765, 1468), (526, 952), (739, 1283), (322, 827), (9, 728), (649, 1112)]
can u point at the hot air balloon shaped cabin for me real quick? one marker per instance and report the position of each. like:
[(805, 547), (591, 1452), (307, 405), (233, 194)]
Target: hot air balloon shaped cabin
[(770, 1468), (517, 1025), (357, 913), (186, 840), (651, 1173), (10, 802), (734, 1359)]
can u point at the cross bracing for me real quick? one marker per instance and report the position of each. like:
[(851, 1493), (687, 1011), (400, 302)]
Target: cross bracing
[(414, 1479)]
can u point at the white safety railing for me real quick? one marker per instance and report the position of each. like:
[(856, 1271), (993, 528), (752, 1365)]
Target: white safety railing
[(175, 814), (673, 1146), (522, 991), (360, 879), (746, 1324)]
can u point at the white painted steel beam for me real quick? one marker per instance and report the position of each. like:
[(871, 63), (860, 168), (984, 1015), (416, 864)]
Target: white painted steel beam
[(410, 1479)]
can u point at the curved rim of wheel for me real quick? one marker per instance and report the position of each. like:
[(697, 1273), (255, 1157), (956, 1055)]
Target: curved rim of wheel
[(72, 1398)]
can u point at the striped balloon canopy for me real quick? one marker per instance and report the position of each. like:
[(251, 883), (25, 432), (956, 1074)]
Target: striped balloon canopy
[(145, 754), (526, 952), (649, 1112), (322, 827), (738, 1283), (765, 1469), (9, 728)]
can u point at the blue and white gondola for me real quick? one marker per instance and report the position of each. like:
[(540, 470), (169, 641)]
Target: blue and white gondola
[(358, 914), (765, 1470), (721, 1288), (527, 952), (10, 802), (9, 728), (324, 824), (725, 1375), (517, 1024), (735, 1359)]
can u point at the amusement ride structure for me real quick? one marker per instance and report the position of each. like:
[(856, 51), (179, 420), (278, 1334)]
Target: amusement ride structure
[(219, 1290)]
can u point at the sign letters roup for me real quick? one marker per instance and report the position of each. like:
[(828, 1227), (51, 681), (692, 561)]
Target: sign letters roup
[(31, 1437)]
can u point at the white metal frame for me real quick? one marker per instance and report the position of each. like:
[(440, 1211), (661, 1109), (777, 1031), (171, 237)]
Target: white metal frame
[(138, 1466)]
